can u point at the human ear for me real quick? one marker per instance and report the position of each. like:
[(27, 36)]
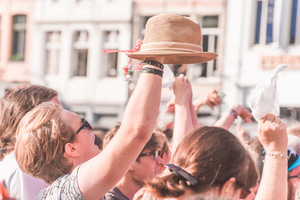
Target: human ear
[(71, 150), (228, 188)]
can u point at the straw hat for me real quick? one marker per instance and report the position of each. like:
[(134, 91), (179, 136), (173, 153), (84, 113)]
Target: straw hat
[(178, 39)]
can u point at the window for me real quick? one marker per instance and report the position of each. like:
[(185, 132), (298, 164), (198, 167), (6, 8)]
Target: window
[(80, 53), (295, 17), (264, 21), (210, 32), (53, 49), (142, 26), (110, 42), (18, 38)]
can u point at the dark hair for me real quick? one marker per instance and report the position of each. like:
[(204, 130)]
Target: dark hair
[(17, 101), (258, 149), (156, 142), (212, 155), (110, 134)]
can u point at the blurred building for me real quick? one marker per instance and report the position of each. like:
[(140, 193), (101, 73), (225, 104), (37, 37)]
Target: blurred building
[(69, 38), (261, 34), (60, 43), (15, 38)]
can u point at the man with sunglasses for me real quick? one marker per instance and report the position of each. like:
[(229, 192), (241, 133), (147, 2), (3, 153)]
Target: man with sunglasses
[(145, 168), (58, 146)]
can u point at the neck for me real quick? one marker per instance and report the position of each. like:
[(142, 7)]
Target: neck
[(128, 187), (208, 193)]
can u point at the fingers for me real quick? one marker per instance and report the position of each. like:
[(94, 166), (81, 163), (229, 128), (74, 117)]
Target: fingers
[(269, 117), (182, 89), (272, 133)]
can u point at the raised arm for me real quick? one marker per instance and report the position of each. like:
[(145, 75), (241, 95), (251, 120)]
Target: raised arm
[(272, 134), (183, 123), (98, 175), (236, 111), (212, 99)]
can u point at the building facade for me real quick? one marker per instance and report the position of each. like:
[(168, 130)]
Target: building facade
[(261, 34), (15, 37), (60, 44), (69, 39)]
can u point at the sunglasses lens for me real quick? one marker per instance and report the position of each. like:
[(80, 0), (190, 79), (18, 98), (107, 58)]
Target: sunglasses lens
[(244, 193), (87, 124)]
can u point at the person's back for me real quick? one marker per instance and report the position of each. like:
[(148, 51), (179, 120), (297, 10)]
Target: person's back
[(19, 185), (14, 105)]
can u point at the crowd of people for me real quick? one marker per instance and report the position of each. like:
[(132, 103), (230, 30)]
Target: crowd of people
[(48, 152)]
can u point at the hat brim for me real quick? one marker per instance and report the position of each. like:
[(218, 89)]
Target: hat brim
[(295, 164), (176, 57)]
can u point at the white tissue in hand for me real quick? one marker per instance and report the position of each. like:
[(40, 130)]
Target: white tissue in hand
[(168, 77), (265, 97)]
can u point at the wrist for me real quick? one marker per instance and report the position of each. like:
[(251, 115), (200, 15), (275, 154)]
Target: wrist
[(153, 64), (277, 155), (152, 71), (233, 113), (270, 149)]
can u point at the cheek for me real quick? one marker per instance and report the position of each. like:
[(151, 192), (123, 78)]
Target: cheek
[(167, 157)]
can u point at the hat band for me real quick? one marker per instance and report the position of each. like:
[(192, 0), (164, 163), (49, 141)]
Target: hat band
[(179, 46)]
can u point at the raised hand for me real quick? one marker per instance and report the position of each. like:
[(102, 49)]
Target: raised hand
[(272, 133)]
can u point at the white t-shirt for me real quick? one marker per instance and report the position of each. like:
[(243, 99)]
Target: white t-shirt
[(19, 185), (64, 188)]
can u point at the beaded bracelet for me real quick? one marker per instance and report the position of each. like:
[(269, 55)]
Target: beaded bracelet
[(234, 113), (154, 63), (152, 71), (279, 155)]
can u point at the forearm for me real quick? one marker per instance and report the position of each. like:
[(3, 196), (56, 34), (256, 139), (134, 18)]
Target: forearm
[(226, 120), (274, 176), (182, 124), (143, 106), (193, 116), (197, 104), (136, 128)]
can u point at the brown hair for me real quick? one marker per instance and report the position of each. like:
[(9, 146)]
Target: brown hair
[(16, 102), (110, 134), (156, 142), (41, 137), (212, 155)]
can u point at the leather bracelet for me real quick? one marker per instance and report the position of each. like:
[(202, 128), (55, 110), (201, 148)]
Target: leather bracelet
[(154, 63), (152, 71)]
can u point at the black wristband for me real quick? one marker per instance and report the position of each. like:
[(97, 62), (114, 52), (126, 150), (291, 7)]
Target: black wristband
[(154, 63), (152, 71)]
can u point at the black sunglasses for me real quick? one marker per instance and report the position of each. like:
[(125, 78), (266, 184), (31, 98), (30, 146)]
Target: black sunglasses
[(244, 192), (296, 176), (85, 124), (155, 154)]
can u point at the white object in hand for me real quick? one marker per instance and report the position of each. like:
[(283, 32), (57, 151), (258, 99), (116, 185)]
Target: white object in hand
[(265, 97)]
